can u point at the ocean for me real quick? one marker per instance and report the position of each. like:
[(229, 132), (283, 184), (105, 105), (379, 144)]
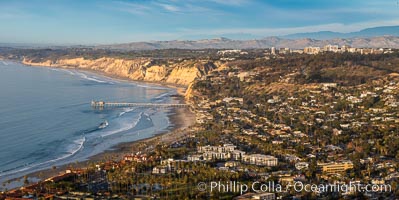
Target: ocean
[(46, 118)]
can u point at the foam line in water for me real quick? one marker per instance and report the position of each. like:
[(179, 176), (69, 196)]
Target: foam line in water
[(126, 127), (54, 69), (149, 86), (126, 110), (159, 97), (68, 71), (92, 78), (82, 75)]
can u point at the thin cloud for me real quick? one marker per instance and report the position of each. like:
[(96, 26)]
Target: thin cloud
[(132, 8), (168, 7), (231, 2), (158, 6)]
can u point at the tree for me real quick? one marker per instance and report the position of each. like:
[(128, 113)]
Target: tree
[(26, 180)]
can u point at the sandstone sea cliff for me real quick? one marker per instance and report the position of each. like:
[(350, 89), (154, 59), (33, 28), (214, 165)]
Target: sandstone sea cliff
[(181, 73)]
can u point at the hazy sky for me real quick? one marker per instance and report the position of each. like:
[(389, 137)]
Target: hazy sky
[(107, 21)]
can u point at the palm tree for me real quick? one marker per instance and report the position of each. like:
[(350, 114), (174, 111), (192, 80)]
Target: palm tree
[(26, 181), (4, 184)]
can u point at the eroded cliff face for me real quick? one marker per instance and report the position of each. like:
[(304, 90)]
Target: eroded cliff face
[(178, 72)]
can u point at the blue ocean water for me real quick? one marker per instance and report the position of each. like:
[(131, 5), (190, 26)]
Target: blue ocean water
[(46, 118)]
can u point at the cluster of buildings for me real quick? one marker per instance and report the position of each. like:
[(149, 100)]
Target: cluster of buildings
[(225, 153), (335, 167), (330, 108), (234, 54), (345, 48), (229, 152)]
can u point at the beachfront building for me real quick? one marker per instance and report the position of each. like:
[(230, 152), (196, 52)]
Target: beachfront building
[(215, 155), (216, 152), (195, 157), (225, 152), (335, 167), (237, 154), (261, 160), (221, 149)]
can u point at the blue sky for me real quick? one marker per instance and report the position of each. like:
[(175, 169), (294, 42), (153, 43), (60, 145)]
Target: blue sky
[(118, 21)]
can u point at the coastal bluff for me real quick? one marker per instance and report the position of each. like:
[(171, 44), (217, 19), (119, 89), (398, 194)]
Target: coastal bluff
[(174, 72)]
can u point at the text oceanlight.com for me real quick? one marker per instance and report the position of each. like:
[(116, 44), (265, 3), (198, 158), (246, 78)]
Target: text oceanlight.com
[(298, 186)]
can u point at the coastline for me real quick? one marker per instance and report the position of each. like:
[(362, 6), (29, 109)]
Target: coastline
[(179, 119), (105, 73)]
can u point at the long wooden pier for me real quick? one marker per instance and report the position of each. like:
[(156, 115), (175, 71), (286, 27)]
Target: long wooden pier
[(102, 104)]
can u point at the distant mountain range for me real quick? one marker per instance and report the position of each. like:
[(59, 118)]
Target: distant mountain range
[(369, 32), (377, 37), (224, 43)]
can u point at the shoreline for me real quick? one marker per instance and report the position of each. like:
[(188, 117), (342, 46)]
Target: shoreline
[(117, 152), (179, 119), (109, 75)]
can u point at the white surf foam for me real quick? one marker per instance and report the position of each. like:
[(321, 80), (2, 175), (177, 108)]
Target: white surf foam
[(149, 86), (54, 69), (126, 110), (92, 78), (82, 75), (78, 142), (71, 150), (161, 95), (68, 71), (125, 127)]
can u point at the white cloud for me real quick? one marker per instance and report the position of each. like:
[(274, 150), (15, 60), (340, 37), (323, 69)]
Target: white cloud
[(169, 7), (132, 8), (163, 6)]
